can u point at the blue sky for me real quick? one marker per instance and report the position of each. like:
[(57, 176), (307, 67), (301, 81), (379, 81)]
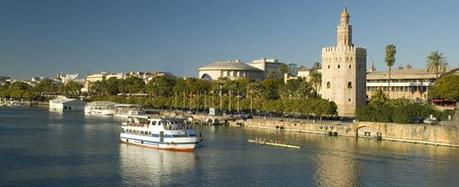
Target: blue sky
[(44, 37)]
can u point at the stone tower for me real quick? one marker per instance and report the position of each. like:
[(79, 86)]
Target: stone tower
[(344, 71)]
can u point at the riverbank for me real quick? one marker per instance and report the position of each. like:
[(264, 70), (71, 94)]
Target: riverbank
[(440, 135)]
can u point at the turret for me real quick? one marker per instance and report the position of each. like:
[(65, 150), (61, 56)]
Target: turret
[(344, 30)]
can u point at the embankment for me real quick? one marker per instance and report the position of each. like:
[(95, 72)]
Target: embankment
[(445, 135)]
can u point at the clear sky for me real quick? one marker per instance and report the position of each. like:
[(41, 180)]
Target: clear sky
[(44, 37)]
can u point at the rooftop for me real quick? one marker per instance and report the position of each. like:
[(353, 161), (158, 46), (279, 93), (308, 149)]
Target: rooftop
[(229, 65), (401, 74)]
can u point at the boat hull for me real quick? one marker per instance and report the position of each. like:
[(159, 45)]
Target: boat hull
[(175, 146)]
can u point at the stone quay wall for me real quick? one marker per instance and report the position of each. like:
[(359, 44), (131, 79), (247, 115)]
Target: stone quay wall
[(445, 135)]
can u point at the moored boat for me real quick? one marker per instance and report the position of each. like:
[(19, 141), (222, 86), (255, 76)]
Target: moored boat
[(126, 110), (159, 133), (100, 108)]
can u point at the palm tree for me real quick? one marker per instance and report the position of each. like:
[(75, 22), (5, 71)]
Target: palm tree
[(378, 97), (390, 60), (315, 79), (436, 62), (253, 88)]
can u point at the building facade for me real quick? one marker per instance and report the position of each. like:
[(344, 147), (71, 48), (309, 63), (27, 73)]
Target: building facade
[(145, 76), (344, 71), (407, 83)]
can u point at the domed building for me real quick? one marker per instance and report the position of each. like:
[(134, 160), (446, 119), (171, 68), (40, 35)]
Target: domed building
[(230, 69)]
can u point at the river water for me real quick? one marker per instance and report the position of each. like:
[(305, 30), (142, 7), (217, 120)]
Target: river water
[(40, 148)]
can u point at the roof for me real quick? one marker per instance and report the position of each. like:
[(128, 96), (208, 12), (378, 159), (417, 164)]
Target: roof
[(101, 103), (65, 100), (229, 65), (401, 74), (304, 69)]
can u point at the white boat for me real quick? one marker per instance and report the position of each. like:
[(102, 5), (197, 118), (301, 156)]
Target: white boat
[(126, 110), (18, 103), (159, 133), (100, 108)]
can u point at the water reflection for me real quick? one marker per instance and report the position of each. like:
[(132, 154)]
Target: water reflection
[(150, 167), (335, 168)]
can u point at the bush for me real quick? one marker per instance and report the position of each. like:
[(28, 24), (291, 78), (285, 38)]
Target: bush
[(399, 113), (375, 113)]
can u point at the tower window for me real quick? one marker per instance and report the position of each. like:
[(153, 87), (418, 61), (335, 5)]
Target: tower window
[(349, 99), (339, 66), (328, 84), (349, 84), (328, 66), (349, 66)]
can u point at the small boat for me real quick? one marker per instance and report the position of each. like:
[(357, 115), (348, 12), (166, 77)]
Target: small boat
[(159, 133), (273, 143)]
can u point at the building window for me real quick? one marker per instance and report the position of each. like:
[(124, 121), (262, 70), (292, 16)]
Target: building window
[(349, 84), (350, 66), (328, 84), (349, 99), (328, 66), (339, 66)]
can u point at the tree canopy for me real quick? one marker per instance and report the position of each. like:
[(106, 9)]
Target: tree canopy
[(446, 87)]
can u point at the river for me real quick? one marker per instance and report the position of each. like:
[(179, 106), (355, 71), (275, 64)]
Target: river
[(41, 148)]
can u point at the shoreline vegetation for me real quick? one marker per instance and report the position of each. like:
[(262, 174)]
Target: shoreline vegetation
[(295, 98)]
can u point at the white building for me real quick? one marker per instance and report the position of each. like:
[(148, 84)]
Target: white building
[(230, 69), (257, 69), (61, 104), (65, 78)]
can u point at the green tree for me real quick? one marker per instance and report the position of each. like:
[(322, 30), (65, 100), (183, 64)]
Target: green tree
[(436, 62), (316, 66), (390, 60), (378, 97), (315, 79), (72, 88), (283, 68), (134, 85), (160, 86), (98, 88), (446, 87), (112, 86), (270, 88), (48, 87)]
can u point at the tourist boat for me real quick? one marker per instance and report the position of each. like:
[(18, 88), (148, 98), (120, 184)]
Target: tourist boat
[(126, 110), (100, 108), (159, 133), (273, 143)]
